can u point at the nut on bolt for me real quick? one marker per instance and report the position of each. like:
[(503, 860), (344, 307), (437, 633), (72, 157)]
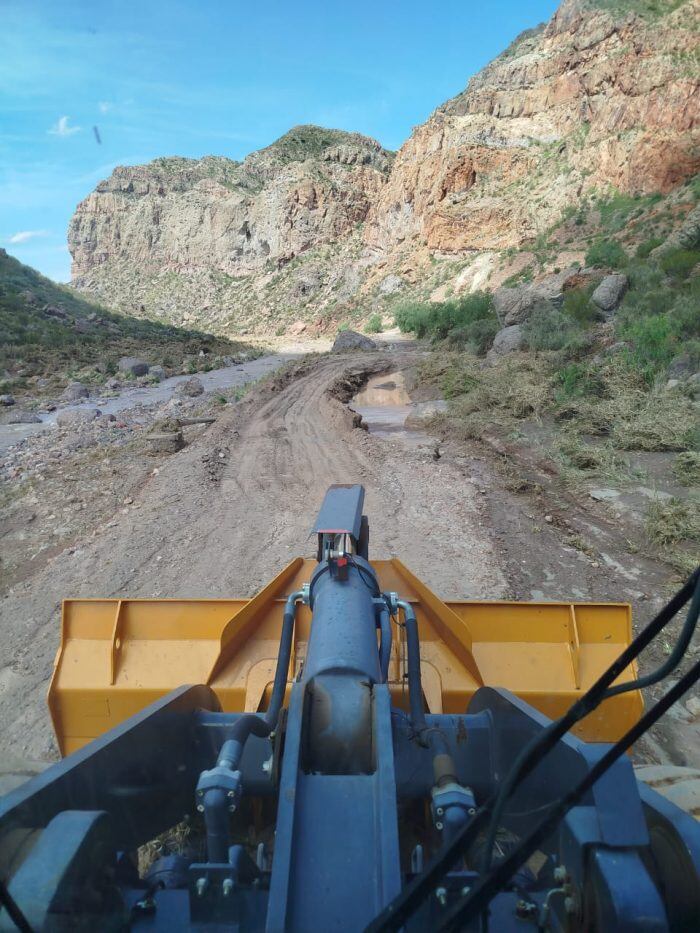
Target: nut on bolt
[(560, 874), (201, 886), (227, 886), (441, 895)]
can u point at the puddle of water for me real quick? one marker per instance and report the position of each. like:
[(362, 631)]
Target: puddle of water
[(225, 378), (385, 406)]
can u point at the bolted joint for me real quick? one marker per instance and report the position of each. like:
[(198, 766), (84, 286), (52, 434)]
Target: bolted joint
[(451, 806), (220, 778)]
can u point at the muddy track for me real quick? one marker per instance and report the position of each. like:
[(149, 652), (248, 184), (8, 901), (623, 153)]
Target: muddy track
[(227, 513)]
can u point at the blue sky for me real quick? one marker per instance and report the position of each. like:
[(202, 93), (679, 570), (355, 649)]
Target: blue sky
[(199, 77)]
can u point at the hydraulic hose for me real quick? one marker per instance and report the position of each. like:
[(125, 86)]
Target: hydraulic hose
[(427, 736), (386, 642), (216, 799), (252, 723)]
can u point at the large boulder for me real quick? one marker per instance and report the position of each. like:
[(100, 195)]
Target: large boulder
[(610, 292), (191, 387), (77, 416), (351, 340), (506, 341), (515, 305), (133, 365), (74, 391), (7, 400)]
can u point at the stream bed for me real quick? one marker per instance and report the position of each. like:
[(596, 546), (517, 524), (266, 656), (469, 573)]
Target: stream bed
[(130, 396)]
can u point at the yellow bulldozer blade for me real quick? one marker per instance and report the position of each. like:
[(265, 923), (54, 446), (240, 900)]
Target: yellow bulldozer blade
[(118, 655)]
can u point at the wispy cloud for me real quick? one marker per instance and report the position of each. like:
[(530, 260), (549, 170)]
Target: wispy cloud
[(105, 106), (61, 128), (23, 235)]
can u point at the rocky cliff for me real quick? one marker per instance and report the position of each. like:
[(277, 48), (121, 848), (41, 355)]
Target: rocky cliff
[(604, 98)]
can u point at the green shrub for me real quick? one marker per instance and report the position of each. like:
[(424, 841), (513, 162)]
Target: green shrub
[(343, 327), (579, 307), (653, 344), (477, 336), (577, 380), (440, 319), (605, 254), (374, 325), (280, 331), (679, 263), (645, 248), (413, 317), (549, 329)]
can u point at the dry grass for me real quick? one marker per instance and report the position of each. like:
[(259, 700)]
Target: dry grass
[(686, 468), (671, 521)]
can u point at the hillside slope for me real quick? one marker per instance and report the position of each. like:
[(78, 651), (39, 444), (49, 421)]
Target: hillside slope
[(50, 334), (324, 226)]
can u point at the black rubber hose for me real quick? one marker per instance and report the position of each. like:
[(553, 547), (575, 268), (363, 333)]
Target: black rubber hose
[(415, 686), (428, 736), (386, 642), (215, 802), (252, 723)]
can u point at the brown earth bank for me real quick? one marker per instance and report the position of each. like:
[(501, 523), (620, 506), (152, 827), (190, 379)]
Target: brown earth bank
[(225, 514)]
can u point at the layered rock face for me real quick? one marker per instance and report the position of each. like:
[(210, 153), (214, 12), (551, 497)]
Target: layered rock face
[(591, 100), (601, 98), (181, 215)]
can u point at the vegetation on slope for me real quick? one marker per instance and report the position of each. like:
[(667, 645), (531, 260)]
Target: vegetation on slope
[(602, 394), (50, 332)]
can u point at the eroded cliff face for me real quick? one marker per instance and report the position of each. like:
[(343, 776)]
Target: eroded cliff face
[(591, 100), (598, 99), (176, 215)]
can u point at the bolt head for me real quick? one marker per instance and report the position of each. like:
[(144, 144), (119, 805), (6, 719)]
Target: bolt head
[(232, 808), (440, 811), (560, 874), (200, 808), (438, 825)]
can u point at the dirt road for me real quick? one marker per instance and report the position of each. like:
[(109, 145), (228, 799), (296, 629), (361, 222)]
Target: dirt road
[(224, 515)]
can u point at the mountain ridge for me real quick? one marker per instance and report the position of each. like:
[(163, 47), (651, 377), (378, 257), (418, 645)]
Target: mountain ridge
[(323, 225)]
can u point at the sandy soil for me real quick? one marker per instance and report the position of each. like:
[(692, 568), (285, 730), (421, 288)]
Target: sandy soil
[(225, 514)]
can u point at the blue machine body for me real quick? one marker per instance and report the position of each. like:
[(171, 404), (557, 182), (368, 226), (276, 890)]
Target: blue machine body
[(355, 799)]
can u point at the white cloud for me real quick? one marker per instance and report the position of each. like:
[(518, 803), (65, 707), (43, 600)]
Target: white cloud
[(105, 106), (23, 235), (61, 128)]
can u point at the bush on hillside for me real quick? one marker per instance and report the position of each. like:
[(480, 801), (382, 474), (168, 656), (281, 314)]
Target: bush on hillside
[(579, 307), (374, 325), (468, 321), (549, 329), (679, 263), (606, 254)]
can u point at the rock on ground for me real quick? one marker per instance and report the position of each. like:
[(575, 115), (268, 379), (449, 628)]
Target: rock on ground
[(506, 341), (19, 417), (157, 372), (77, 416), (133, 365), (75, 391), (191, 387), (610, 292), (7, 400), (351, 340)]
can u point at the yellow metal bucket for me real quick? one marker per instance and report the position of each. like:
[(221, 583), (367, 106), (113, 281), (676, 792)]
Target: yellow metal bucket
[(118, 655)]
